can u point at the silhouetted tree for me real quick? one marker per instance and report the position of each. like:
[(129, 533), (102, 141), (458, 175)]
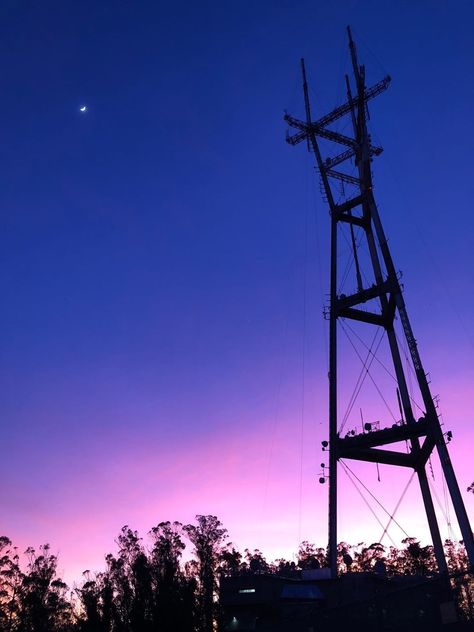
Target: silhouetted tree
[(310, 557), (256, 563), (43, 605), (462, 583), (174, 603), (145, 590), (11, 581), (207, 536), (415, 559), (231, 560), (90, 598), (365, 558), (130, 580), (285, 568)]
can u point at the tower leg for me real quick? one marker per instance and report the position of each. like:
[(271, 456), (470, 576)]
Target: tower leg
[(432, 521), (333, 436), (456, 499)]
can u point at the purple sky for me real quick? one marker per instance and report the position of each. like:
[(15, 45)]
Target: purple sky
[(153, 261)]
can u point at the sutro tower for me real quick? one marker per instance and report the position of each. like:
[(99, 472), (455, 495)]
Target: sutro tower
[(378, 303)]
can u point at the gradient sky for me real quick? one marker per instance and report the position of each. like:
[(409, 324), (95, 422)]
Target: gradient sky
[(153, 260)]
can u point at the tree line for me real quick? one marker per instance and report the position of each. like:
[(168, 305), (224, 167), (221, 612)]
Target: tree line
[(147, 587)]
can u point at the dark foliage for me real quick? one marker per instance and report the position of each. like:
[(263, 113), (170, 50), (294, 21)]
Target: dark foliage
[(33, 600), (147, 588)]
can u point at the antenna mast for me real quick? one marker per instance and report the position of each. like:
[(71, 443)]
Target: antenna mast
[(359, 213)]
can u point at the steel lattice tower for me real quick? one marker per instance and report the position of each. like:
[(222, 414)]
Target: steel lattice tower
[(359, 212)]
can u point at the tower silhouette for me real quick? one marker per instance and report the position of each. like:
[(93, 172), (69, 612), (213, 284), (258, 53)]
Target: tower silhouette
[(377, 302)]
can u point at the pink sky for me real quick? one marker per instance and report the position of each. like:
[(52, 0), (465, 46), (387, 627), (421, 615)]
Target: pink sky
[(252, 487)]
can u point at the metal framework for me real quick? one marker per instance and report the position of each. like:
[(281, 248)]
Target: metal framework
[(360, 213)]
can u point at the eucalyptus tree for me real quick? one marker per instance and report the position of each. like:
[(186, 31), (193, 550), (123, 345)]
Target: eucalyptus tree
[(208, 537)]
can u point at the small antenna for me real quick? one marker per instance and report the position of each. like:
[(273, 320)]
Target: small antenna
[(352, 48), (306, 94), (306, 100)]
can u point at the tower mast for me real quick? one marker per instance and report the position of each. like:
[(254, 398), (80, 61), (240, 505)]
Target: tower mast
[(359, 212)]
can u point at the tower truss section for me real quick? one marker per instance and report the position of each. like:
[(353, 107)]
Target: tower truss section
[(377, 301)]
